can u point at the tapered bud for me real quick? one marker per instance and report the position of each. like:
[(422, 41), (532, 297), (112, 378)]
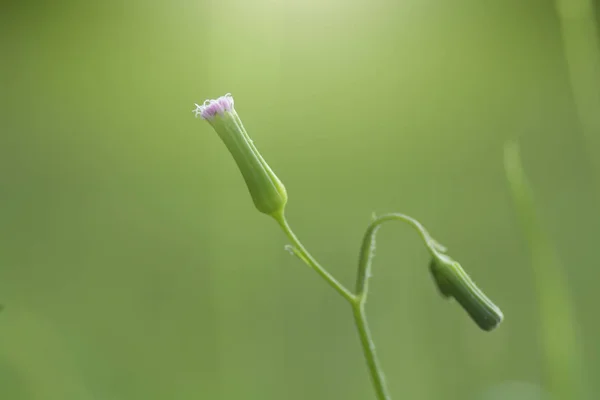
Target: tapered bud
[(267, 191), (453, 282)]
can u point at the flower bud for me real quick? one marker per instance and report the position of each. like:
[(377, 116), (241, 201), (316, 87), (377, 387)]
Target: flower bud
[(453, 281), (267, 191)]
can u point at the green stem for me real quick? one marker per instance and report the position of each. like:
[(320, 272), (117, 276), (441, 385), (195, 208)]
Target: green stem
[(368, 346), (368, 246), (305, 256), (357, 303)]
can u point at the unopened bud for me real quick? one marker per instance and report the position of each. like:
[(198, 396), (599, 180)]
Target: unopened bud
[(453, 281), (267, 191)]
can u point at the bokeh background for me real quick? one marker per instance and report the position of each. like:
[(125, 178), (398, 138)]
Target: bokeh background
[(134, 266)]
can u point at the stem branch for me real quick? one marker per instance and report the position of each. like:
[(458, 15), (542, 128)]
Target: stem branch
[(357, 302), (305, 256)]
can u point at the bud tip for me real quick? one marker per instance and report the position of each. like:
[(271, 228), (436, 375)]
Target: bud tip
[(210, 108)]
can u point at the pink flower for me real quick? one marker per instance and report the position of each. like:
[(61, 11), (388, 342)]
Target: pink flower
[(210, 108)]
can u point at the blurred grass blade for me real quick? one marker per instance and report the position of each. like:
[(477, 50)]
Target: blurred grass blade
[(558, 334), (581, 45)]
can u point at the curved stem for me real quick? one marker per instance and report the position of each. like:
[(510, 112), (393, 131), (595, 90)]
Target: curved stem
[(450, 278), (305, 256), (368, 246), (367, 252)]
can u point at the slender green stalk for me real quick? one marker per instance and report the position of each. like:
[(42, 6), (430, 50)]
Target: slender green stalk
[(303, 254), (356, 302), (368, 246), (377, 377)]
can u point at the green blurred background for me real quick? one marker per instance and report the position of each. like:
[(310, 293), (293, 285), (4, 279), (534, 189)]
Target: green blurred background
[(134, 266)]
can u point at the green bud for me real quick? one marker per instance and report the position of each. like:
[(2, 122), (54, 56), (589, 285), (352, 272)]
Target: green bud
[(453, 282), (267, 191)]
